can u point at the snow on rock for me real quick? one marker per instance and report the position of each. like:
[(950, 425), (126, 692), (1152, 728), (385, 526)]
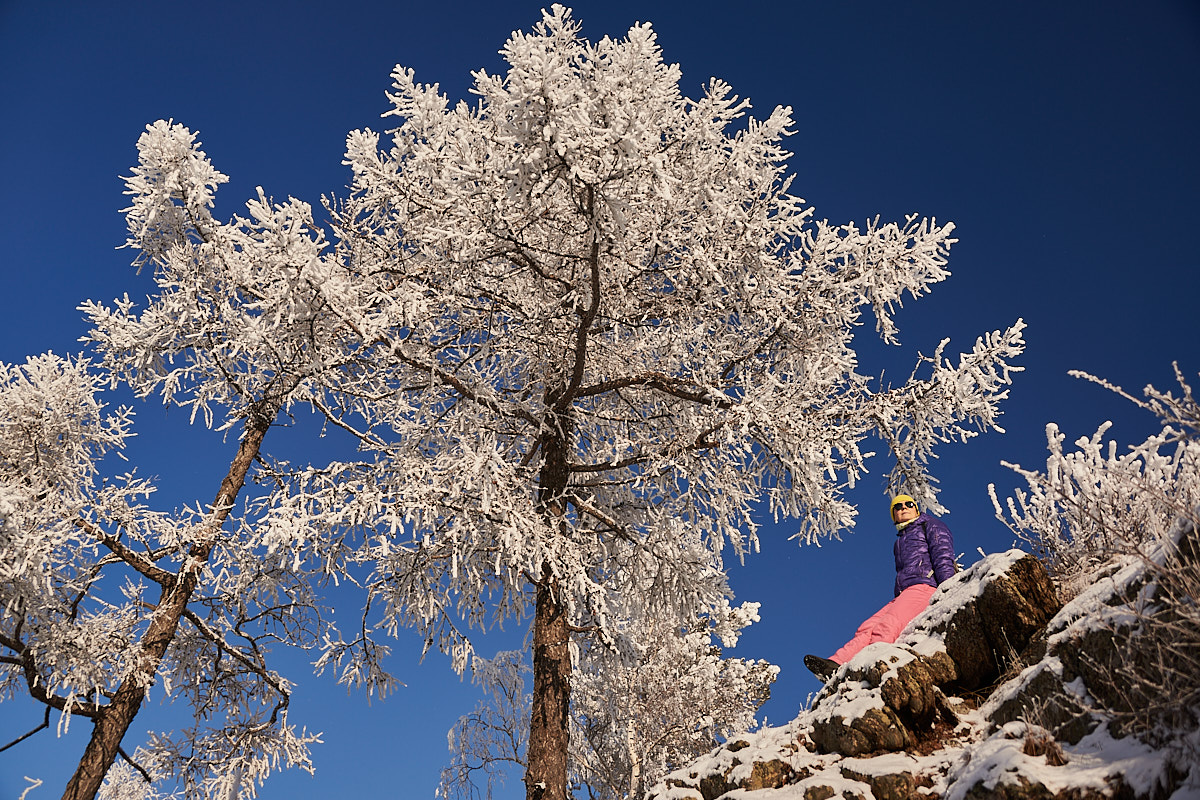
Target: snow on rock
[(889, 725), (985, 616), (885, 698), (890, 696), (1011, 764)]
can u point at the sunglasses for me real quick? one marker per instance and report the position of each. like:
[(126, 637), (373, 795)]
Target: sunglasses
[(904, 504)]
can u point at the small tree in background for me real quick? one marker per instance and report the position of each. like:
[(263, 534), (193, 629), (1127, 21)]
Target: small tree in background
[(491, 740), (638, 718), (634, 717)]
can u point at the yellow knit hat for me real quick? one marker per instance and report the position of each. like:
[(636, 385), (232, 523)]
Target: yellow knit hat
[(900, 498)]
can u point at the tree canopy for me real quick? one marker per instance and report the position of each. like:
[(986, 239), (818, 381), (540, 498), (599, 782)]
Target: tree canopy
[(577, 329)]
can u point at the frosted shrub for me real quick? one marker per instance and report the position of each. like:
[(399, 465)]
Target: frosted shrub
[(1167, 671), (1094, 502), (1093, 506)]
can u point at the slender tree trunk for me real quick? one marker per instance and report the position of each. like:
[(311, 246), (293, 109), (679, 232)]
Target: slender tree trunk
[(546, 776), (550, 720), (111, 724), (549, 724)]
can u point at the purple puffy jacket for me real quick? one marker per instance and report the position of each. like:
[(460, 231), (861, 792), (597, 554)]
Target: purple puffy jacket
[(924, 553)]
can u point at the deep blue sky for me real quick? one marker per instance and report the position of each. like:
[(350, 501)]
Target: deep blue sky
[(1059, 137)]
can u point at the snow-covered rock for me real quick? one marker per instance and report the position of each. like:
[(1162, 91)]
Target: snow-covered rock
[(985, 616), (890, 696), (981, 697)]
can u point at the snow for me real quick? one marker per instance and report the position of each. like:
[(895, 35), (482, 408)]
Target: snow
[(1097, 762), (1094, 763), (888, 764), (849, 700), (1093, 607)]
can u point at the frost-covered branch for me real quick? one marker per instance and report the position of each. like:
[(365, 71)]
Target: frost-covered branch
[(1096, 502), (143, 565)]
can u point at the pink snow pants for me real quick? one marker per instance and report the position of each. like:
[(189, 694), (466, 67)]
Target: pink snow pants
[(886, 624)]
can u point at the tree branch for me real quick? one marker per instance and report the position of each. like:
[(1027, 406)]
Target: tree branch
[(588, 316), (663, 383), (45, 724), (145, 775), (127, 555), (37, 688), (464, 390), (214, 637), (701, 442)]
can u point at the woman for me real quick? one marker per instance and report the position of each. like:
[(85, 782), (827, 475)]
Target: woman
[(924, 552)]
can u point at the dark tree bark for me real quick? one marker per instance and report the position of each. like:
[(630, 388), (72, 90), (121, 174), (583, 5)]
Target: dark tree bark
[(546, 777), (549, 727)]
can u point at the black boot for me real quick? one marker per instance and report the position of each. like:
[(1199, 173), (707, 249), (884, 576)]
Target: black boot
[(823, 668)]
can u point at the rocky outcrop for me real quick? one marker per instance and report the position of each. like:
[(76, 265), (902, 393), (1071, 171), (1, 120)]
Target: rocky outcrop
[(987, 695), (1040, 693), (985, 617), (888, 701), (890, 696)]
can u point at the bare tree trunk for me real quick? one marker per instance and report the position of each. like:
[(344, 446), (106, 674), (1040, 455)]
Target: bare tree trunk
[(549, 724), (113, 721), (549, 729)]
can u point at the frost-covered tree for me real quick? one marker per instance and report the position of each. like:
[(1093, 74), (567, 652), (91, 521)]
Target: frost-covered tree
[(490, 741), (603, 329), (579, 328), (635, 717), (104, 600)]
